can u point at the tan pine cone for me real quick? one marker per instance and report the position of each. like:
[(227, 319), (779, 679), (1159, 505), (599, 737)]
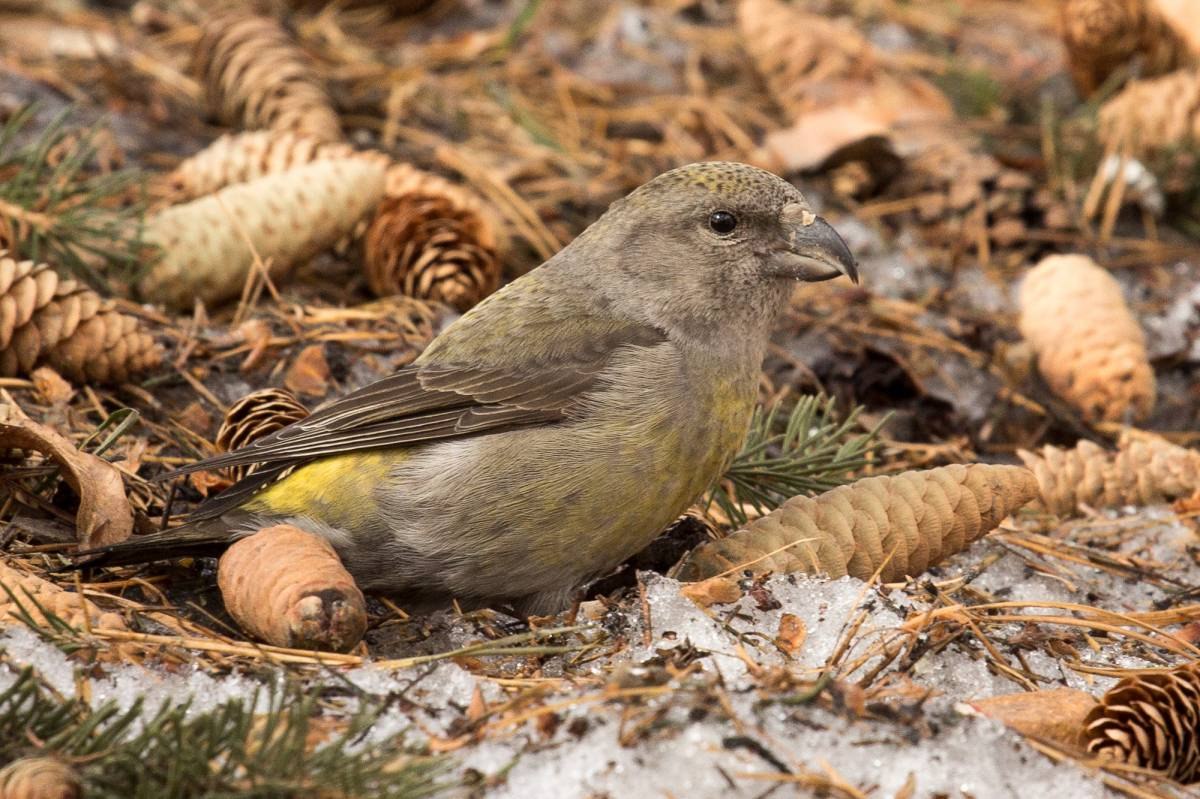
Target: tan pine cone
[(431, 240), (255, 76), (255, 415), (242, 157), (917, 518), (47, 319), (1142, 472), (1151, 720), (1102, 36), (39, 777), (1149, 116), (75, 609), (1090, 349), (287, 218), (288, 588)]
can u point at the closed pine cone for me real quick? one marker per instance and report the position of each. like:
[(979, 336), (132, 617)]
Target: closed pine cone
[(1151, 720), (1102, 36), (39, 777), (430, 240), (287, 217), (47, 319), (912, 521), (255, 76), (242, 157), (1142, 472), (255, 415), (1090, 348)]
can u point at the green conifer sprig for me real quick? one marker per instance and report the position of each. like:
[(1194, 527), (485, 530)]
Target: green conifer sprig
[(232, 750), (806, 451), (55, 206)]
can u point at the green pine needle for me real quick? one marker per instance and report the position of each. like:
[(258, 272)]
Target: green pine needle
[(230, 751), (806, 452), (67, 214)]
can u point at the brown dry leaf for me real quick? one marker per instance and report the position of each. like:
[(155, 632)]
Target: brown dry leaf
[(792, 633), (309, 374), (713, 591), (51, 386), (206, 482), (195, 418), (104, 515), (1055, 715)]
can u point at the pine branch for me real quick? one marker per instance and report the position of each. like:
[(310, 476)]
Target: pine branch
[(806, 452), (231, 750), (56, 207)]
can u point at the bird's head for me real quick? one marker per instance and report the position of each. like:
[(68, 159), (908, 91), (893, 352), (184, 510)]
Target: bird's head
[(713, 243)]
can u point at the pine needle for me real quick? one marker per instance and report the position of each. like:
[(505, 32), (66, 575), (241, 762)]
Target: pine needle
[(806, 452), (56, 207)]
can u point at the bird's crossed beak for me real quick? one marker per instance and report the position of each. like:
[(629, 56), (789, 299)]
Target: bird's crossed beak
[(814, 251)]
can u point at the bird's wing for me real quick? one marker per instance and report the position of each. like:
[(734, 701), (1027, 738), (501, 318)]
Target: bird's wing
[(528, 382)]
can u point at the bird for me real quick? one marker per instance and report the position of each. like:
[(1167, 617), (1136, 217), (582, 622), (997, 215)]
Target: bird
[(557, 427)]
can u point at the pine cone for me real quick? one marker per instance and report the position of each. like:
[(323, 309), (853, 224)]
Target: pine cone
[(287, 217), (289, 588), (1090, 348), (430, 240), (1151, 720), (1142, 472), (1102, 36), (255, 415), (39, 778), (917, 518), (47, 319), (1150, 116), (255, 76), (242, 157), (32, 593)]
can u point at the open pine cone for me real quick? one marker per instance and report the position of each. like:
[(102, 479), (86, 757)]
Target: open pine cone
[(255, 76), (255, 415), (1102, 36), (47, 319), (1151, 720), (1142, 472), (430, 240)]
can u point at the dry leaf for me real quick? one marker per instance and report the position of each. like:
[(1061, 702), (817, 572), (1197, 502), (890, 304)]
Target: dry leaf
[(104, 515), (792, 633), (713, 591), (51, 386), (1055, 715), (309, 374)]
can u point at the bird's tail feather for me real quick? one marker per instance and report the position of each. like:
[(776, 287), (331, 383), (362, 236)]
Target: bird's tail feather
[(200, 539)]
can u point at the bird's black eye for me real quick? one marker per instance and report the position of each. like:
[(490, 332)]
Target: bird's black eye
[(722, 222)]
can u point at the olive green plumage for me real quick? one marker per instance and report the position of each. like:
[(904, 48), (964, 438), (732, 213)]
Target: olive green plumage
[(559, 425)]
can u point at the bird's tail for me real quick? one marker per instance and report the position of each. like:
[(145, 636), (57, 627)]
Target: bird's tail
[(204, 538)]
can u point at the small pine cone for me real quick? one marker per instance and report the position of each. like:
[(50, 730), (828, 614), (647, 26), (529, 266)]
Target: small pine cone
[(1152, 721), (242, 157), (255, 76), (1090, 348), (1142, 472), (431, 240), (1150, 116), (917, 518), (1102, 36), (47, 319), (255, 415), (288, 588), (287, 217), (39, 777), (35, 595)]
